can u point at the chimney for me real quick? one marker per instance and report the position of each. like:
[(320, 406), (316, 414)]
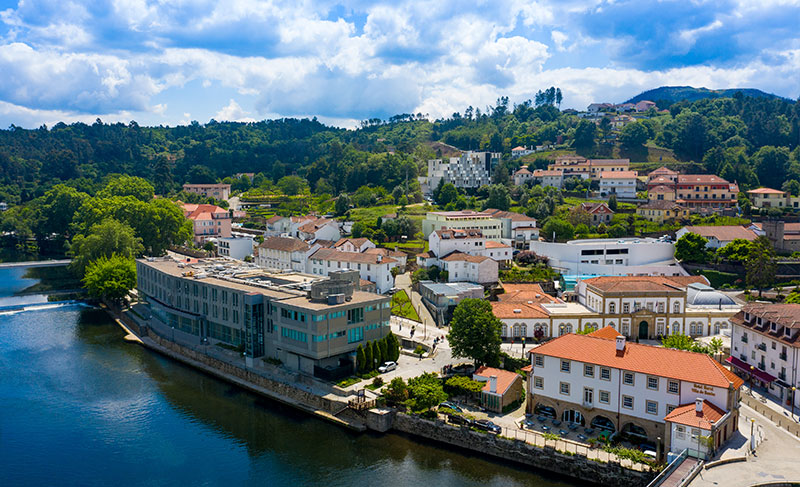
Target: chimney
[(698, 406), (492, 383), (620, 344)]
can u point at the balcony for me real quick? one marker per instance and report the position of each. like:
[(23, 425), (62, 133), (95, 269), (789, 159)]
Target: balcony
[(762, 366), (588, 405), (744, 339), (782, 376), (783, 355), (743, 357), (762, 347)]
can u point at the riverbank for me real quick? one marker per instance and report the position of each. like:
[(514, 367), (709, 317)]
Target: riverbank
[(341, 407)]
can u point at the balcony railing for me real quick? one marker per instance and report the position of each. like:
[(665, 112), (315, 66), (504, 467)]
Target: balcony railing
[(782, 376), (744, 339), (762, 347), (762, 366), (743, 357), (783, 355)]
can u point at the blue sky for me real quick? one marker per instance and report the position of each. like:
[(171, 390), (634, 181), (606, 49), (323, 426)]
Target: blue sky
[(168, 63)]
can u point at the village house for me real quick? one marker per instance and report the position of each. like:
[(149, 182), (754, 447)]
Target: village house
[(719, 236), (285, 253), (620, 183), (522, 176), (208, 221), (371, 267), (662, 211), (216, 191), (600, 212), (502, 388)]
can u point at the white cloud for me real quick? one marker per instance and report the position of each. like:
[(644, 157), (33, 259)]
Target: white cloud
[(232, 112)]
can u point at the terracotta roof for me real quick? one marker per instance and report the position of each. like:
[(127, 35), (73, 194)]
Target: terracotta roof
[(356, 257), (504, 378), (202, 212), (491, 244), (663, 170), (323, 243), (427, 255), (540, 173), (608, 162), (700, 178), (606, 333), (357, 242), (516, 217), (518, 148), (645, 359), (382, 251), (365, 283), (787, 228), (661, 189), (784, 314), (766, 191), (513, 310), (275, 219), (642, 283), (687, 415), (284, 244), (661, 181), (724, 233), (617, 174), (314, 225), (522, 170), (462, 257), (527, 369), (596, 208), (460, 214), (524, 293)]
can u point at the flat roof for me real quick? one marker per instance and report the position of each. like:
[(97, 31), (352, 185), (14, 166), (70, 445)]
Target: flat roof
[(606, 241), (450, 288), (358, 298)]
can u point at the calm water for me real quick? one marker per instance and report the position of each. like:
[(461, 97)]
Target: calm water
[(79, 406)]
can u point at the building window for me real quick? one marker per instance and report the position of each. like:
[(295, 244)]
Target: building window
[(652, 407), (538, 361), (588, 395), (670, 408), (676, 308), (605, 397), (605, 374), (565, 366), (612, 308), (564, 388), (627, 402), (672, 387), (627, 378), (626, 308), (588, 370), (538, 382), (652, 383)]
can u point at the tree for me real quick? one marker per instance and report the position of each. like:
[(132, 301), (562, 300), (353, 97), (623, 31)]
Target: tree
[(579, 216), (772, 165), (200, 175), (691, 248), (134, 186), (498, 198), (58, 207), (426, 391), (383, 351), (397, 391), (584, 135), (342, 204), (683, 342), (358, 229), (634, 135), (563, 230), (736, 251), (110, 278), (761, 265), (393, 346), (361, 360), (377, 358), (448, 194), (104, 240), (475, 332), (292, 185), (612, 202), (369, 358)]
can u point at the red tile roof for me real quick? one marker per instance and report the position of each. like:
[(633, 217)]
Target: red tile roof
[(726, 233), (462, 257), (516, 310), (524, 293), (642, 283), (645, 359), (688, 415), (284, 244), (606, 333), (202, 212), (661, 189), (504, 378), (700, 178), (357, 257), (357, 242), (617, 174), (491, 244), (766, 191), (516, 217)]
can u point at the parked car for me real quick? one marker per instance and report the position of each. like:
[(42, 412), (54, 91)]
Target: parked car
[(486, 425), (452, 406), (387, 367), (458, 419)]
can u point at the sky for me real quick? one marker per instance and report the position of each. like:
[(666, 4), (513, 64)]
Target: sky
[(174, 61)]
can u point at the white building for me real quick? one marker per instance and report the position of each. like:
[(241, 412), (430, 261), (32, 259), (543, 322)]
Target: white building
[(371, 267), (522, 176), (354, 245), (278, 225), (470, 170), (720, 236), (620, 183), (611, 257), (235, 247), (284, 253), (469, 268), (611, 384), (520, 151), (444, 242), (765, 337), (319, 229), (551, 178), (491, 227), (517, 228)]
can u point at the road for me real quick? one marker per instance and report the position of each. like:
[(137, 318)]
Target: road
[(37, 263)]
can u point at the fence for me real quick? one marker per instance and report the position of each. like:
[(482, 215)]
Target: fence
[(664, 475), (571, 447), (783, 422)]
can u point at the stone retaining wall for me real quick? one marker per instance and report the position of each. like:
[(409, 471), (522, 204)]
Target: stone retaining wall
[(547, 458)]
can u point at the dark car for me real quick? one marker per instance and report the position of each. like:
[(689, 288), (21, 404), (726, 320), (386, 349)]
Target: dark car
[(458, 419), (486, 425), (452, 406)]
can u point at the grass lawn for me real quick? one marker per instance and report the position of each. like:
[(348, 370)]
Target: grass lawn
[(401, 306)]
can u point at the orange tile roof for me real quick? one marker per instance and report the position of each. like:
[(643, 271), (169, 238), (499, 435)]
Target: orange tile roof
[(522, 293), (513, 216), (642, 283), (700, 178), (504, 378), (687, 415), (617, 174), (766, 191), (284, 244), (527, 368), (202, 212), (723, 233), (514, 310), (645, 359), (491, 244), (357, 242), (460, 256), (357, 257), (606, 333), (661, 189)]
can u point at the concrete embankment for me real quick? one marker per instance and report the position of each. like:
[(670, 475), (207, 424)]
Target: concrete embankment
[(335, 409)]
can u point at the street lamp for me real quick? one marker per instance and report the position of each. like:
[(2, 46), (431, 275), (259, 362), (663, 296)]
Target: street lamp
[(752, 438), (793, 391), (752, 369)]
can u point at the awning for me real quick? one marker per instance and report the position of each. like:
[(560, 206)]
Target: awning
[(745, 367)]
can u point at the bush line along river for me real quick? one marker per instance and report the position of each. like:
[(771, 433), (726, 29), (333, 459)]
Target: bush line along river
[(80, 406)]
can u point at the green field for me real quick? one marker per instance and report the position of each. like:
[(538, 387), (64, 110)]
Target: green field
[(401, 306)]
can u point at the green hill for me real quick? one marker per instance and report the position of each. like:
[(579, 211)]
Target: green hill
[(690, 93)]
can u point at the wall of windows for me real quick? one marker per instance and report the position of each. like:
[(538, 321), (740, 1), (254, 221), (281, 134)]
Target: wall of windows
[(295, 335), (224, 333), (355, 334)]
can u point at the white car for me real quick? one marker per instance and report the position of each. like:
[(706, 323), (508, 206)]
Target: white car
[(387, 367)]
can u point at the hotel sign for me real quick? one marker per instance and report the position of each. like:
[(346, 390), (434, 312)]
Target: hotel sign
[(703, 389)]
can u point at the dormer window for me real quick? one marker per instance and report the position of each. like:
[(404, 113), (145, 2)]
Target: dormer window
[(758, 320), (787, 332), (747, 317), (773, 326)]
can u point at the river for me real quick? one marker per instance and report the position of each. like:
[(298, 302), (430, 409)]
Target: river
[(80, 406)]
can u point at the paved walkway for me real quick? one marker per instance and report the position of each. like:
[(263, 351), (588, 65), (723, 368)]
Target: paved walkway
[(403, 281), (36, 263), (675, 479), (774, 460)]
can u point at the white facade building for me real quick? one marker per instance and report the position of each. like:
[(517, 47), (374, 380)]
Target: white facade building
[(470, 170), (491, 227), (285, 253), (469, 268), (611, 384), (611, 257), (620, 183), (235, 247), (371, 267)]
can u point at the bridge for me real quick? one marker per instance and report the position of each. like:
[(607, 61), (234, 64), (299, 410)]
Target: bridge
[(35, 263)]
